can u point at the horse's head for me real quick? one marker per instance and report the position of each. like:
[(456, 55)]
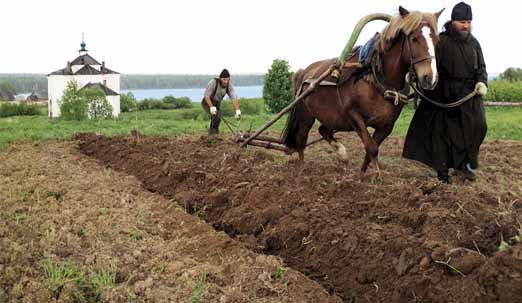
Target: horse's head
[(419, 46)]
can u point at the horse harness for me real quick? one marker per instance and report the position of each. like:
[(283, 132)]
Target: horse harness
[(392, 94)]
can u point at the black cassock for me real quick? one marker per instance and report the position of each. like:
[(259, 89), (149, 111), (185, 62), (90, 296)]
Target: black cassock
[(449, 138)]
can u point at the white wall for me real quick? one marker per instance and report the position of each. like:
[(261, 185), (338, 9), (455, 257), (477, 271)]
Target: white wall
[(115, 102), (56, 85)]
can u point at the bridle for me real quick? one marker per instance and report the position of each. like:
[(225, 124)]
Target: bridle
[(414, 61), (392, 94)]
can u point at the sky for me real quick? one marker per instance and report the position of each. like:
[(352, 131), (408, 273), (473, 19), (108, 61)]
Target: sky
[(205, 36)]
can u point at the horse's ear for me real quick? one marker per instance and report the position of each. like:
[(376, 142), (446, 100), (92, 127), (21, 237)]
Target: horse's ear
[(403, 11), (437, 15)]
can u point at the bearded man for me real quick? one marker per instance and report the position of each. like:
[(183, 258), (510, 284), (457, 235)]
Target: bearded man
[(445, 138)]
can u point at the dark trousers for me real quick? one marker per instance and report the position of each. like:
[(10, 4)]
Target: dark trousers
[(215, 120)]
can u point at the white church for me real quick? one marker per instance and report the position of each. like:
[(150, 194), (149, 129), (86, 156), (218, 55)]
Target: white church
[(87, 72)]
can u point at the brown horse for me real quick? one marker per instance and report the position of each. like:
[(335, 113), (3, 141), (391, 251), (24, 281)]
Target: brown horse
[(406, 44)]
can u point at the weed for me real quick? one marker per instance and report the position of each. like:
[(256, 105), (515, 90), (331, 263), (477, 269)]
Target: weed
[(198, 292), (453, 269), (102, 281), (20, 218), (136, 235), (18, 290), (84, 231), (57, 275), (279, 272), (103, 211), (50, 234), (505, 245)]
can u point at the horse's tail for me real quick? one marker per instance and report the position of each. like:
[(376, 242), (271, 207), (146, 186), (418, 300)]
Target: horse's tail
[(292, 122)]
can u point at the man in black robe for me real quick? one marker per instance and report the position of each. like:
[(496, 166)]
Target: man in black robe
[(450, 138)]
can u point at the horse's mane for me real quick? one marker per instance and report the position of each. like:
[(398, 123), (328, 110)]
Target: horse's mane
[(406, 25)]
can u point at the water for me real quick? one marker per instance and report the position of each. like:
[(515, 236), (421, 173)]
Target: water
[(194, 94)]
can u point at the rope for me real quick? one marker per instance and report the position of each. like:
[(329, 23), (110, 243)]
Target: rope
[(443, 105)]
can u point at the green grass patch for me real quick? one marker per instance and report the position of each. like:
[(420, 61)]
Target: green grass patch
[(59, 274), (81, 286), (503, 123)]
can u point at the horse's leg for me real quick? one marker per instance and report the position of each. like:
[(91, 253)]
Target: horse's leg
[(339, 149), (371, 147), (306, 123), (378, 136)]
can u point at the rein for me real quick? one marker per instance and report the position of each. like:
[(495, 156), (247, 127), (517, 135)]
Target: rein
[(459, 102), (396, 96)]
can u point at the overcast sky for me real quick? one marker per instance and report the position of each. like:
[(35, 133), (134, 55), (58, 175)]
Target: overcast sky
[(203, 36)]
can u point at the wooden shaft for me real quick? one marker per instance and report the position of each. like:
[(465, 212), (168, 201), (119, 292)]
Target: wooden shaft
[(314, 141), (509, 104), (269, 145), (262, 138)]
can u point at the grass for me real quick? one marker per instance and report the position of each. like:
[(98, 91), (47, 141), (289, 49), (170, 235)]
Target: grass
[(279, 272), (503, 123), (59, 274), (197, 293), (84, 288), (101, 281)]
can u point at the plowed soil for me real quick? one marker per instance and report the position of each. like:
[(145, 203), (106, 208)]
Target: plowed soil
[(110, 240), (402, 237)]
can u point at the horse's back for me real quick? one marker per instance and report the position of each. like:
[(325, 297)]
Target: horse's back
[(315, 69)]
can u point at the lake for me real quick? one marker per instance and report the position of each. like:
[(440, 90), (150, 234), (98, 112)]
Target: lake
[(194, 94)]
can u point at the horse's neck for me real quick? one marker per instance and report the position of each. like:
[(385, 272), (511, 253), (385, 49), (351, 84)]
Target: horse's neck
[(394, 69)]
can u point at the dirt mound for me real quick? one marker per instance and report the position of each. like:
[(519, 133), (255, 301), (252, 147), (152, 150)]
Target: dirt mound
[(74, 231), (399, 238)]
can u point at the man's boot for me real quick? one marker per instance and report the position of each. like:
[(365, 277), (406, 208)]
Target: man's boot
[(443, 176), (212, 134)]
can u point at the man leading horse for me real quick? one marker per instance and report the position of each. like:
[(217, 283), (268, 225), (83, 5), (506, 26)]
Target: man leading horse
[(445, 138)]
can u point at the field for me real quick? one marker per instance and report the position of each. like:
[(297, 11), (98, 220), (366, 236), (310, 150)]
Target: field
[(170, 217), (504, 123)]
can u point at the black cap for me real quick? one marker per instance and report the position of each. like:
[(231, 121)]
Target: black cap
[(224, 74), (461, 12)]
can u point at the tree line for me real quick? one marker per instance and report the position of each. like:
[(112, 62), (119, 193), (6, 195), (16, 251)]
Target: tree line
[(27, 83)]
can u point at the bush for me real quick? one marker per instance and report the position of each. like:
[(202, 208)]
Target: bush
[(175, 103), (168, 102), (127, 102), (98, 106), (147, 104), (277, 90), (72, 105), (85, 103), (504, 91), (9, 110)]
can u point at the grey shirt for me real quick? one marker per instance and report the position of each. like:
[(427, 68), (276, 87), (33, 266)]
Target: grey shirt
[(220, 91)]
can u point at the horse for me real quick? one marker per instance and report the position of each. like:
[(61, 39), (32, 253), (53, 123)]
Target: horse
[(406, 44)]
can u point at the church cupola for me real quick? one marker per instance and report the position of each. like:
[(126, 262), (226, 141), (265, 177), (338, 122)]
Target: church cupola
[(82, 50)]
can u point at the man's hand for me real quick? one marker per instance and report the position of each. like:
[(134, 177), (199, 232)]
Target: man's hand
[(213, 110), (481, 88), (238, 114)]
